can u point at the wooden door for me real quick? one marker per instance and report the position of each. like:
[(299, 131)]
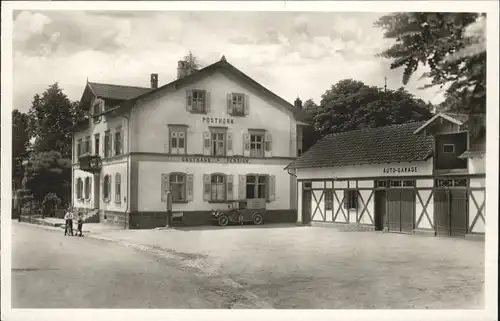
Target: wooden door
[(407, 203), (441, 212), (458, 212), (380, 209), (306, 206), (393, 211)]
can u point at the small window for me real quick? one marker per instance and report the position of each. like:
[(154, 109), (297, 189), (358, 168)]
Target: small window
[(118, 141), (118, 188), (218, 144), (238, 102), (396, 183), (177, 141), (448, 148), (178, 187), (87, 188), (328, 200), (198, 103), (257, 145), (106, 188), (409, 183), (218, 188), (351, 199), (381, 184)]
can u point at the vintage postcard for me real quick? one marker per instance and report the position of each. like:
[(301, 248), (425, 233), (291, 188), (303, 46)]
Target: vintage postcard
[(249, 160)]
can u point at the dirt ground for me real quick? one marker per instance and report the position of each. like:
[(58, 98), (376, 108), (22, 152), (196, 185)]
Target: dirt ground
[(320, 267)]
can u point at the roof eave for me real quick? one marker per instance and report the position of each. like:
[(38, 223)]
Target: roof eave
[(440, 115)]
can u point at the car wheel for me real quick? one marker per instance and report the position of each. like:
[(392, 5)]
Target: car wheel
[(257, 219), (223, 220)]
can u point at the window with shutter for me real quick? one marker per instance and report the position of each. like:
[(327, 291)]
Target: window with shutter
[(257, 186), (177, 140), (257, 144), (238, 104), (196, 101), (218, 187), (218, 143), (178, 186)]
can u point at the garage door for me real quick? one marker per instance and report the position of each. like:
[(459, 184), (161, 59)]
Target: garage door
[(400, 210), (450, 212)]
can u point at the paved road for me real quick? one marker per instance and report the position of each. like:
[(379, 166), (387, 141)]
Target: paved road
[(50, 270)]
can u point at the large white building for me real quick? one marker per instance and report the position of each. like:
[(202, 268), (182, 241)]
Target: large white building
[(421, 177), (210, 136)]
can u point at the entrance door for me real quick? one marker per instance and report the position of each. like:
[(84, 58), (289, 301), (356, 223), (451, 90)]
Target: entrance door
[(380, 203), (400, 210), (306, 206)]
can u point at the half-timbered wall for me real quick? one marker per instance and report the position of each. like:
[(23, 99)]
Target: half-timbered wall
[(477, 211), (424, 206)]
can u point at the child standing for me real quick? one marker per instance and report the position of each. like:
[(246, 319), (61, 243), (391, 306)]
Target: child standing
[(80, 224), (68, 218)]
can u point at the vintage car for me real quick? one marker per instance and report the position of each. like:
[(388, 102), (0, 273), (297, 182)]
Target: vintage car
[(239, 212)]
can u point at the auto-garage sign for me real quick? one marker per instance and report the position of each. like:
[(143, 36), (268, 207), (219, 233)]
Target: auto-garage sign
[(401, 170)]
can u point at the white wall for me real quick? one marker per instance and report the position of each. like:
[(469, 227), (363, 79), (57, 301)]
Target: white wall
[(425, 222), (155, 113), (112, 205), (360, 171), (150, 184), (479, 196), (477, 165)]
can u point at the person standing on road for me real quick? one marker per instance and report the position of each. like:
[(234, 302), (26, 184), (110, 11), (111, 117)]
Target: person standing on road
[(68, 217), (80, 224)]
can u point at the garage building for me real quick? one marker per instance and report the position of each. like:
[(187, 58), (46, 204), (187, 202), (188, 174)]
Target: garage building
[(419, 177)]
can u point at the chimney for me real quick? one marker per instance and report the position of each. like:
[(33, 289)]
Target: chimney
[(154, 81), (298, 103), (182, 69)]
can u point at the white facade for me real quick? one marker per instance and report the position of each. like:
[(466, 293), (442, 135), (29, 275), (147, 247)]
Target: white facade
[(169, 138)]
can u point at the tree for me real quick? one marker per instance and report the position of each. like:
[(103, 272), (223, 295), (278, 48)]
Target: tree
[(20, 145), (452, 45), (192, 61), (52, 115), (48, 172), (309, 135), (351, 104)]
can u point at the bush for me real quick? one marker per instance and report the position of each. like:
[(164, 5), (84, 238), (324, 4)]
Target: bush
[(49, 204)]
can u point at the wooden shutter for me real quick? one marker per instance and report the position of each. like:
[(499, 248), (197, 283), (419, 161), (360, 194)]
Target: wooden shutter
[(346, 199), (206, 187), (229, 144), (206, 96), (206, 143), (271, 188), (229, 104), (229, 187), (246, 144), (165, 186), (242, 187), (189, 187), (268, 140), (189, 100), (246, 104)]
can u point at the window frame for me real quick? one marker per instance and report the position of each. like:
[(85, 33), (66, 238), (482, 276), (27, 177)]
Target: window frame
[(183, 187), (448, 145), (118, 144), (118, 188), (262, 144), (97, 141), (87, 188), (352, 199), (195, 102), (235, 104), (214, 150), (175, 132), (107, 144), (222, 184), (106, 188), (256, 184)]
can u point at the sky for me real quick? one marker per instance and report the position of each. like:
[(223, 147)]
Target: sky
[(293, 54)]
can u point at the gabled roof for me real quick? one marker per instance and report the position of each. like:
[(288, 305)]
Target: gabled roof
[(388, 144), (458, 119), (117, 92), (225, 67)]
